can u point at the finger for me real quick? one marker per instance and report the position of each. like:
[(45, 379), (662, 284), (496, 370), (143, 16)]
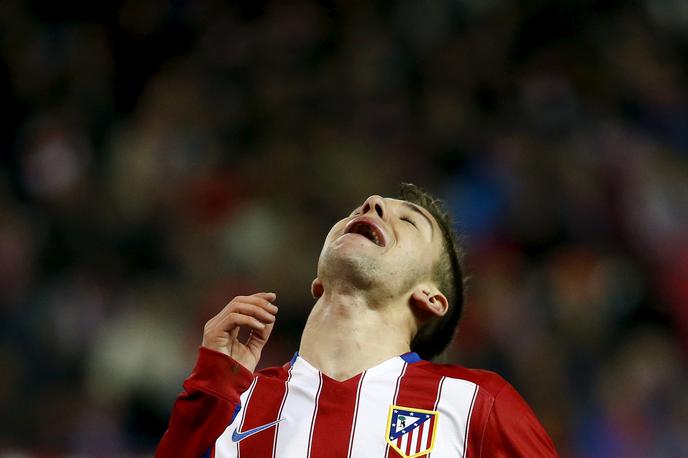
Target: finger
[(234, 333), (254, 311), (267, 296), (258, 338), (238, 319), (258, 298), (259, 301), (260, 304)]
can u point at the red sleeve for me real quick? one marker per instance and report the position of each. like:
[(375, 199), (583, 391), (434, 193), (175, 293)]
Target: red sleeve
[(206, 406), (512, 430)]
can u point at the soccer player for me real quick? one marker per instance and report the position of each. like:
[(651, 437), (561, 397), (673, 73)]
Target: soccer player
[(389, 294)]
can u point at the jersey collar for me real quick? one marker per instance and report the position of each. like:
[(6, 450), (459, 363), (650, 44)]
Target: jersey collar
[(410, 357)]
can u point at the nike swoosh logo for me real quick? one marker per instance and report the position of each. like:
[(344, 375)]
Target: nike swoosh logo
[(238, 435)]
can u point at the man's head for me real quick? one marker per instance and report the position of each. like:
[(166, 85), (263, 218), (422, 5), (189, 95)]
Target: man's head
[(404, 250)]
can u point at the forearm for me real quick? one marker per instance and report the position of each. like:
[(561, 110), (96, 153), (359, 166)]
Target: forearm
[(210, 399)]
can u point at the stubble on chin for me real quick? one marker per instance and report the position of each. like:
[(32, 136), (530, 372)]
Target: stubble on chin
[(348, 269), (356, 270)]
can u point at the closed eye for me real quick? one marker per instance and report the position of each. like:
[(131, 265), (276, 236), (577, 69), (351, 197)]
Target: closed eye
[(408, 220)]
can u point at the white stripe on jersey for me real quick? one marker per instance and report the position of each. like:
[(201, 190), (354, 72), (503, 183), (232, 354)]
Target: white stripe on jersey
[(377, 394), (455, 404), (294, 431), (224, 447), (424, 436), (420, 434), (468, 422), (315, 413)]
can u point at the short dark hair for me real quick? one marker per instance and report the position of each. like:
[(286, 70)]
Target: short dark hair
[(436, 335)]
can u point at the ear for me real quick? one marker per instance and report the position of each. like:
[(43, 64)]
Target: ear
[(430, 301), (317, 288)]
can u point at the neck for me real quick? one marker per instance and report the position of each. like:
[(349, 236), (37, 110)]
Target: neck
[(345, 334)]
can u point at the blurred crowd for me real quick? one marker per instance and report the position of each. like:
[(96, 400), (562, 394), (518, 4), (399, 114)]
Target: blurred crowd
[(162, 156)]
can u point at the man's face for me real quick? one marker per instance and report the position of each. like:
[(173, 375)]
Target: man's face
[(384, 243)]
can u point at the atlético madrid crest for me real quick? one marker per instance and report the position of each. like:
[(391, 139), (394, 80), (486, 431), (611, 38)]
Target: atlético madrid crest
[(411, 432)]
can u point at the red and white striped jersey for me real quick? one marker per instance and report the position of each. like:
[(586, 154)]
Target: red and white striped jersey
[(403, 407)]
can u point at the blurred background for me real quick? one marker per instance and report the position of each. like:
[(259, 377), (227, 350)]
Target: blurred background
[(162, 156)]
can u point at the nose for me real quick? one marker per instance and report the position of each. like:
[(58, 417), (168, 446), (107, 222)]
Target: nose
[(375, 203)]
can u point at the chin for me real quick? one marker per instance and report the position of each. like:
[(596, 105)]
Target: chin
[(350, 265)]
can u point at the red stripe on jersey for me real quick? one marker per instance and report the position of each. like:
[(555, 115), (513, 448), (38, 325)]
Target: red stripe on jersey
[(336, 408), (408, 442), (418, 389), (428, 442), (279, 413), (431, 425), (241, 423), (482, 404), (420, 437), (355, 419), (260, 409)]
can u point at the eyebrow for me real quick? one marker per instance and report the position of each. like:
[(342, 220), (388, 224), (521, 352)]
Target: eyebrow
[(417, 209)]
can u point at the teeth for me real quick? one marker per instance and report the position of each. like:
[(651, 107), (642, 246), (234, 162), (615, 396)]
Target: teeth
[(372, 235), (368, 232)]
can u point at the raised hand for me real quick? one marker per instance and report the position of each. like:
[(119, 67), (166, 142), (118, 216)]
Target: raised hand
[(221, 333)]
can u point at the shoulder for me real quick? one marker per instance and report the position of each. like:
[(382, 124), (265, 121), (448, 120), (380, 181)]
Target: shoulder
[(275, 372), (490, 382), (497, 395), (506, 424)]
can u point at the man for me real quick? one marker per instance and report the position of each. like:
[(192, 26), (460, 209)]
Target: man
[(389, 293)]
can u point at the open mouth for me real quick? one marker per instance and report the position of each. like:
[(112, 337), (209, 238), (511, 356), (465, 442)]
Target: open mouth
[(366, 228)]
